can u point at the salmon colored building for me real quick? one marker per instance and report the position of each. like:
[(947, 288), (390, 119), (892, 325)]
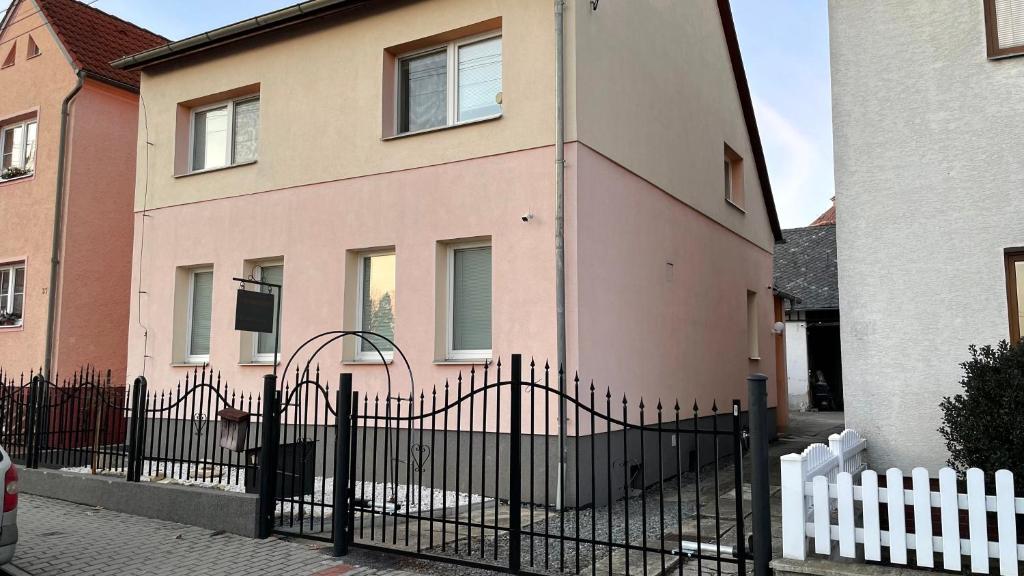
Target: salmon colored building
[(67, 134), (393, 165)]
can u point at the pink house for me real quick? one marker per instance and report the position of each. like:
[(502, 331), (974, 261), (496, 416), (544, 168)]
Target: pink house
[(393, 165), (67, 133)]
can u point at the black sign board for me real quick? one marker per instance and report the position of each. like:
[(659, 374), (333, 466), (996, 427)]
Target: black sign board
[(254, 311)]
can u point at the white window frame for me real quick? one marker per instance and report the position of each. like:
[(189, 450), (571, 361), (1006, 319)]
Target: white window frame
[(13, 268), (191, 358), (372, 355), (24, 124), (230, 149), (450, 352), (452, 78), (257, 356)]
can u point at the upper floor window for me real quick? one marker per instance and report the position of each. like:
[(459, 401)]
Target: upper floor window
[(11, 55), (1004, 27), (33, 48), (12, 294), (449, 84), (376, 305), (733, 177), (225, 134), (18, 149)]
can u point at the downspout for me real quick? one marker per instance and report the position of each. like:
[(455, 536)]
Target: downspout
[(560, 239), (58, 220)]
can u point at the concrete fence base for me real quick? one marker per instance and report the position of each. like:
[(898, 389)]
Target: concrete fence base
[(215, 510)]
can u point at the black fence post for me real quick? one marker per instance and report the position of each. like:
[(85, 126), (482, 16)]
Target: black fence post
[(30, 422), (268, 457), (342, 443), (135, 436), (757, 385), (737, 447), (515, 487)]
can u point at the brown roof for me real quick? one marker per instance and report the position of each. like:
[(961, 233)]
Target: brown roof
[(826, 219), (94, 38)]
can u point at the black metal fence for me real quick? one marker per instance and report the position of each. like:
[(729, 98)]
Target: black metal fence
[(82, 422), (471, 472)]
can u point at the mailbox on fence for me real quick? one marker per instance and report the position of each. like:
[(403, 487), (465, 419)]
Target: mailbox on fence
[(234, 429), (296, 469)]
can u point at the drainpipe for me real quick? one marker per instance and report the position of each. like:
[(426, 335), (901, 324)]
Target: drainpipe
[(560, 237), (58, 220)]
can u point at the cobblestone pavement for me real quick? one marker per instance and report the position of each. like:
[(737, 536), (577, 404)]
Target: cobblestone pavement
[(58, 538)]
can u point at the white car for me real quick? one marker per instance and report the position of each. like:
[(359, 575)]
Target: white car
[(9, 516)]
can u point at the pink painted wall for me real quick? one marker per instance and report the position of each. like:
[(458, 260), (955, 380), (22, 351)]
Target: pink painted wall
[(95, 280), (36, 86), (313, 227), (665, 335)]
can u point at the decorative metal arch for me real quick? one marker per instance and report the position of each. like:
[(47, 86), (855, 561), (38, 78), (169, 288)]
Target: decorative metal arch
[(333, 336)]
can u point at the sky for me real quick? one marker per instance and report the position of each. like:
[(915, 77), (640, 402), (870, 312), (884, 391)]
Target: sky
[(785, 52)]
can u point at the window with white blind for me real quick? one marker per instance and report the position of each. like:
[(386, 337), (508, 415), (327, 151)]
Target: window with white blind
[(18, 148), (200, 310), (225, 134), (264, 342), (376, 305), (469, 302), (1004, 21), (450, 84), (12, 294)]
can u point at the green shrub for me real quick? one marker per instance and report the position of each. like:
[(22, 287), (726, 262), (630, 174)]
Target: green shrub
[(984, 425)]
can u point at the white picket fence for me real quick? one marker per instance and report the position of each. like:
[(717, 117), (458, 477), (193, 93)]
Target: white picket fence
[(818, 504)]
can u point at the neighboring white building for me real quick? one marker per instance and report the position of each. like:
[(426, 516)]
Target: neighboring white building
[(929, 149)]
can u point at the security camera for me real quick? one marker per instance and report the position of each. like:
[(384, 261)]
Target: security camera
[(527, 217)]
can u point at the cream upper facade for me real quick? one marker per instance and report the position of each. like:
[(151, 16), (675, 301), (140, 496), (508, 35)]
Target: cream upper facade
[(325, 90), (669, 220)]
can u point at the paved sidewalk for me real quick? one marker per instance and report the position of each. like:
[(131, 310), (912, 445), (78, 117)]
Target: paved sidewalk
[(58, 538)]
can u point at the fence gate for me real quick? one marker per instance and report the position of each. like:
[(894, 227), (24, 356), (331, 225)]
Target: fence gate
[(469, 473)]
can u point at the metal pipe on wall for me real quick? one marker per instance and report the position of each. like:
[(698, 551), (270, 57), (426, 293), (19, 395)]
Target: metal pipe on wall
[(560, 236), (58, 222)]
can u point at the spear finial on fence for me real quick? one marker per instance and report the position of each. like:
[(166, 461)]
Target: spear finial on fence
[(696, 408)]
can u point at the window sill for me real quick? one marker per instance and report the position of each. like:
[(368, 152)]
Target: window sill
[(1003, 53), (17, 179), (754, 358), (267, 363), (735, 205), (14, 328), (188, 364), (443, 128), (376, 362), (218, 169), (463, 362)]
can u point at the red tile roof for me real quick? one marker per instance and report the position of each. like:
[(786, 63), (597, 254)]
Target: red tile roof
[(826, 219), (94, 38)]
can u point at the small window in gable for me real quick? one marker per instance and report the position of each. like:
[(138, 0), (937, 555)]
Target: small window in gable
[(33, 48), (9, 61)]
